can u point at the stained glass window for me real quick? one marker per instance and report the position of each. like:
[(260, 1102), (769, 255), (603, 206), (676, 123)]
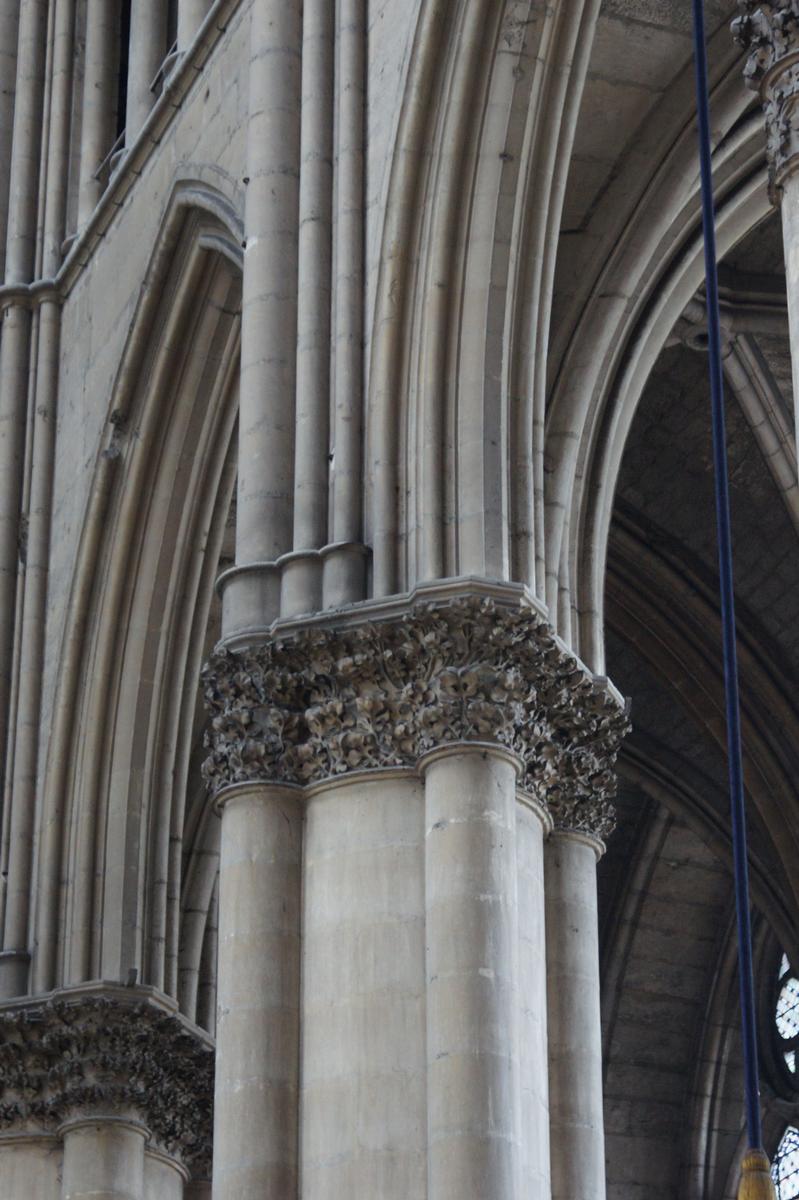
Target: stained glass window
[(785, 1168), (787, 1014)]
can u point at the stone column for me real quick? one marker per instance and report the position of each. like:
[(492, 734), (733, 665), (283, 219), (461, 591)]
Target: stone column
[(532, 824), (191, 14), (99, 88), (147, 51), (474, 1099), (251, 590), (469, 691), (112, 1082), (575, 1037), (15, 341), (770, 34), (257, 1035), (258, 986), (164, 1177), (103, 1158), (363, 1060), (30, 1166)]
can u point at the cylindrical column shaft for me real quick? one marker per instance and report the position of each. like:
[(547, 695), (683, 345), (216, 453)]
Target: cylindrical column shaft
[(99, 87), (25, 153), (23, 791), (30, 1167), (164, 1179), (23, 189), (269, 313), (363, 1016), (148, 33), (191, 14), (575, 1038), (344, 570), (103, 1160), (14, 352), (257, 1058), (313, 333), (790, 239), (533, 1003), (473, 1117), (9, 32), (59, 136)]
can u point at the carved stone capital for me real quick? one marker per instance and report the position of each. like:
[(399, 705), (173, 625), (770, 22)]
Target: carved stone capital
[(769, 32), (94, 1054), (320, 702)]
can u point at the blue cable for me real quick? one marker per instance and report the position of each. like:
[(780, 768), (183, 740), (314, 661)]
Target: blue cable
[(739, 853)]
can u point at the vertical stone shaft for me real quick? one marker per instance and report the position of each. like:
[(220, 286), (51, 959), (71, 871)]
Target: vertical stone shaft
[(473, 1098), (148, 20), (33, 616), (31, 621), (344, 580), (191, 14), (313, 331), (575, 1039), (269, 312), (30, 1168), (530, 829), (363, 1064), (103, 1160), (24, 177), (257, 1056), (23, 191), (163, 1178), (790, 238), (58, 136), (99, 95), (14, 352), (9, 32)]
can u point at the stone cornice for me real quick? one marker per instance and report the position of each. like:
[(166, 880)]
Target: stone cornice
[(108, 1051), (321, 701), (769, 32)]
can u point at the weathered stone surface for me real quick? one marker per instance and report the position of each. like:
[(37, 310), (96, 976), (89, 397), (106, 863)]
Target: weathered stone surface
[(324, 702)]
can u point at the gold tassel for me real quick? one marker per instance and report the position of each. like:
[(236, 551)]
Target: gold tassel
[(756, 1181)]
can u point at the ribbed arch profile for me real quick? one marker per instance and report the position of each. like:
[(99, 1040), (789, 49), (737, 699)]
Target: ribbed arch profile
[(125, 719)]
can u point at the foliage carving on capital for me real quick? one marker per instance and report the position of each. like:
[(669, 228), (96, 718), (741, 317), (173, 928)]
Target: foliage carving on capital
[(769, 32), (324, 702), (97, 1056)]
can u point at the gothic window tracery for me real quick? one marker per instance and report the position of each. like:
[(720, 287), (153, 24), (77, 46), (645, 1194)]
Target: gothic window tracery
[(786, 1017), (785, 1168)]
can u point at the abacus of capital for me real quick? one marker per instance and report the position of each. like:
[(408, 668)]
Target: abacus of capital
[(404, 784)]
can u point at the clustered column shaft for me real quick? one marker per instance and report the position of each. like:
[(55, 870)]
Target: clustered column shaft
[(299, 541), (269, 316), (423, 1069), (15, 348)]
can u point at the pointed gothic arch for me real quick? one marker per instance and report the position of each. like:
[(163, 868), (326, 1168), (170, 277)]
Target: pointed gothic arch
[(125, 712)]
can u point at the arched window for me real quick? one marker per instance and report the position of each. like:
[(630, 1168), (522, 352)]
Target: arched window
[(787, 1014), (785, 1168)]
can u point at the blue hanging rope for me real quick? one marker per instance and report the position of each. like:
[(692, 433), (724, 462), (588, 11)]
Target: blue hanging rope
[(740, 864)]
